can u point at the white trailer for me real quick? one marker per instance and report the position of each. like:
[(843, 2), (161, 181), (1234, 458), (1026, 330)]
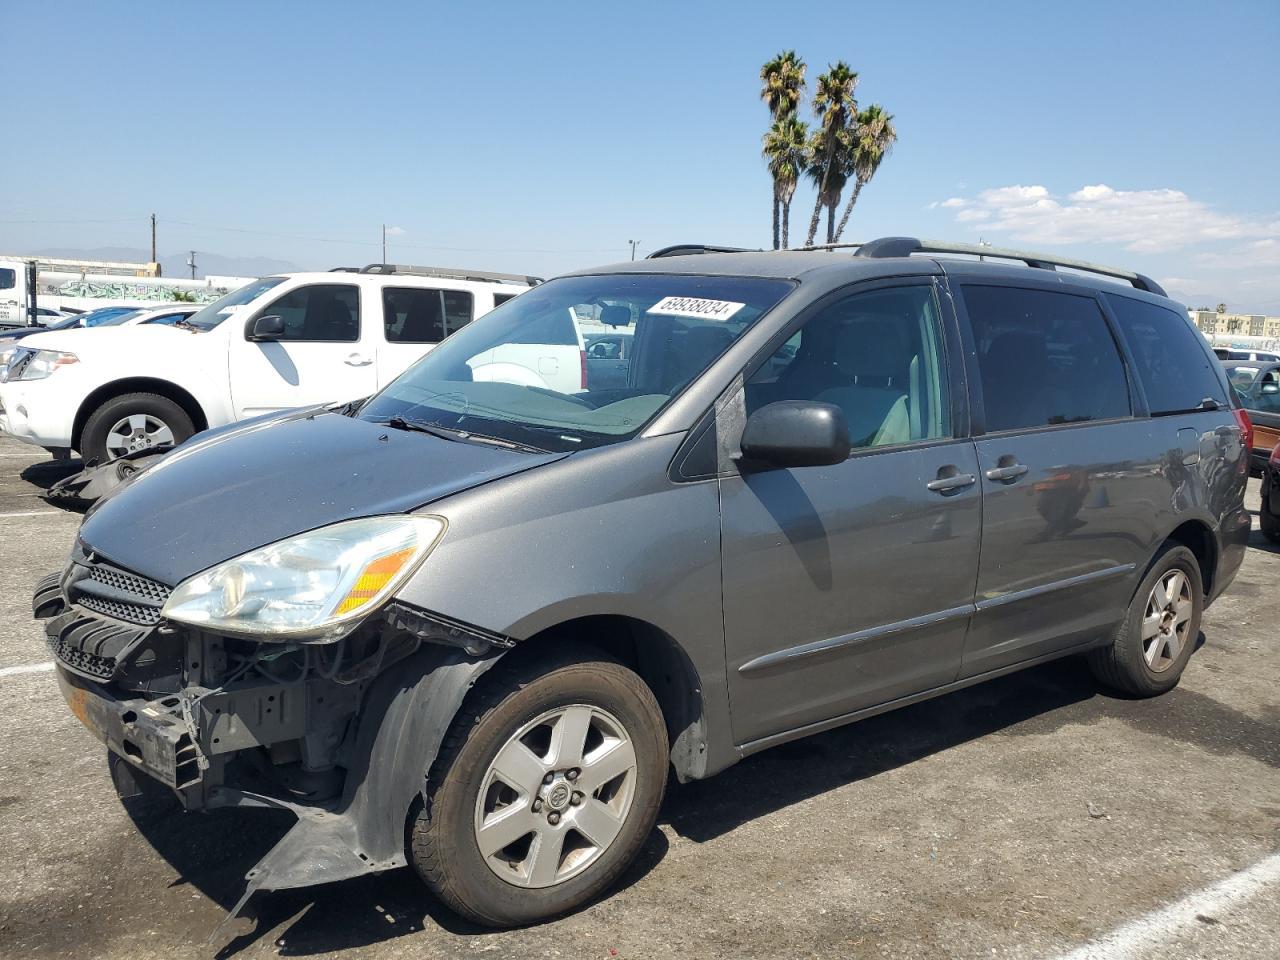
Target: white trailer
[(76, 286)]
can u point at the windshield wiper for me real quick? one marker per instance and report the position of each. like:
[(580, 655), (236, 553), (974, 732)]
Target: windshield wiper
[(459, 436)]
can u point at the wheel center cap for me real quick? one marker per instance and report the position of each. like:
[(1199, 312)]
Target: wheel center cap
[(558, 796)]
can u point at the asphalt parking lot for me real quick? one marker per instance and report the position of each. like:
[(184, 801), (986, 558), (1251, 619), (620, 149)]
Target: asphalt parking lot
[(1032, 817)]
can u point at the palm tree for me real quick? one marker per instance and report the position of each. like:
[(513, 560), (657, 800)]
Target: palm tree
[(782, 83), (874, 138), (829, 172), (781, 88), (835, 106), (786, 152)]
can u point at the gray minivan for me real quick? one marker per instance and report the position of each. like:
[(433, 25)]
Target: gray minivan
[(470, 624)]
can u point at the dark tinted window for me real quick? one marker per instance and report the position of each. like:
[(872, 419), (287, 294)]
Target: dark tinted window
[(1046, 358), (415, 315), (1176, 371), (877, 356), (8, 279), (500, 298), (326, 312)]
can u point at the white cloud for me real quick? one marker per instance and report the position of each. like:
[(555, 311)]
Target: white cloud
[(396, 231), (1144, 221)]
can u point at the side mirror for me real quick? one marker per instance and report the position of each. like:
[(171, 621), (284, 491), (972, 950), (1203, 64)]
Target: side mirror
[(797, 433), (269, 327), (1270, 388)]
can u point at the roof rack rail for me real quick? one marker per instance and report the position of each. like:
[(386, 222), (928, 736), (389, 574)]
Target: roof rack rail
[(905, 246), (687, 249), (452, 273)]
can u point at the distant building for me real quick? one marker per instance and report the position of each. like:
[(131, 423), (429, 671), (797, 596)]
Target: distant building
[(1236, 324)]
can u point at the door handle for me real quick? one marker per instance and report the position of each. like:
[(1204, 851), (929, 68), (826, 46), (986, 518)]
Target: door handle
[(954, 482), (357, 360), (1007, 473)]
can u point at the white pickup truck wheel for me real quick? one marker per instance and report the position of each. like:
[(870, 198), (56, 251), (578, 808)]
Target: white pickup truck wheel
[(133, 422)]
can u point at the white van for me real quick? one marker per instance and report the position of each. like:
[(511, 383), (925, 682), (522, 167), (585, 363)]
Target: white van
[(278, 342)]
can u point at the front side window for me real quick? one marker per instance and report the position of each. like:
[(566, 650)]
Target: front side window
[(1176, 371), (877, 356), (520, 372), (319, 313), (1263, 394), (417, 315), (1045, 358)]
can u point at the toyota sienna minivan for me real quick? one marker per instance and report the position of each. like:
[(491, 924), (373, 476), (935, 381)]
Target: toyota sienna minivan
[(473, 626)]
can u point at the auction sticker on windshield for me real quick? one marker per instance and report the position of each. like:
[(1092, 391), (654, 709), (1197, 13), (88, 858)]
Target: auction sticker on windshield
[(696, 307)]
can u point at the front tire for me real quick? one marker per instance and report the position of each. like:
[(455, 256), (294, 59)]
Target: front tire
[(1160, 629), (546, 787), (132, 422)]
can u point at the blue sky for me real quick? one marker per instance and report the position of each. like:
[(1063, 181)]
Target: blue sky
[(543, 137)]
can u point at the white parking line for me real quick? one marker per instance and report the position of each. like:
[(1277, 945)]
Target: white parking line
[(32, 513), (1148, 933), (25, 668)]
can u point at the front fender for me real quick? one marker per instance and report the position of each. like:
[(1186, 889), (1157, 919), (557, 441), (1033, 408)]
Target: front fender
[(400, 728)]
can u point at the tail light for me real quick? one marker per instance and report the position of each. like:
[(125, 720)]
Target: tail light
[(582, 354), (1246, 428)]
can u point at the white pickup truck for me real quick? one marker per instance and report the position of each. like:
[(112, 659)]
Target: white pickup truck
[(279, 342)]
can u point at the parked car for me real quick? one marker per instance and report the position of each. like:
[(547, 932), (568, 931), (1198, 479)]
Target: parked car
[(608, 359), (279, 342), (11, 335), (1231, 353), (1257, 382), (470, 624), (1269, 510)]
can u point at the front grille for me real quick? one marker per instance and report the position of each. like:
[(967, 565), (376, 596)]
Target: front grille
[(113, 592)]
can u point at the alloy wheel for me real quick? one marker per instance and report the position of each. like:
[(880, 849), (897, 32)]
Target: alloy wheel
[(555, 796), (1167, 620)]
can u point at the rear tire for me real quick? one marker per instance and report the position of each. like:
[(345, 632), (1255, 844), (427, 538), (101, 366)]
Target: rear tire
[(133, 421), (510, 767), (1161, 627)]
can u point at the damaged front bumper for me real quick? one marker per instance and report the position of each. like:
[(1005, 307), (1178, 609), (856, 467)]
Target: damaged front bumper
[(342, 736)]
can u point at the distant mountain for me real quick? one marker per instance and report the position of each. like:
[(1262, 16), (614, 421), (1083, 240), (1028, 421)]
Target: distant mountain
[(175, 265)]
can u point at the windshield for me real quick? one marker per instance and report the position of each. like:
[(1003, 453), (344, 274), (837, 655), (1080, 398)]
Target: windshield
[(534, 371), (1242, 377), (115, 321), (96, 318), (209, 317)]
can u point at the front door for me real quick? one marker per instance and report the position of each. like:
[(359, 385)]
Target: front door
[(850, 586), (325, 354)]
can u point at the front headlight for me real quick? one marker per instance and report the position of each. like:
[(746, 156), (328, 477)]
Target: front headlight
[(313, 587), (26, 364)]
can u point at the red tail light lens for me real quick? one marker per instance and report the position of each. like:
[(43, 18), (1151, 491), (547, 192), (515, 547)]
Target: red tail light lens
[(1246, 428), (583, 362)]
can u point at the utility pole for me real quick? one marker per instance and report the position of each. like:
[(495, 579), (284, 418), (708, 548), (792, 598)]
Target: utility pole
[(191, 262), (153, 238), (634, 244), (384, 243)]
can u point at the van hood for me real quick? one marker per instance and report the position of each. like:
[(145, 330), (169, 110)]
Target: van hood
[(253, 486)]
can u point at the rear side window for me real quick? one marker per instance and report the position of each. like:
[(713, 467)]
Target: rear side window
[(417, 315), (500, 298), (1176, 371), (1046, 358), (8, 279), (324, 312)]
